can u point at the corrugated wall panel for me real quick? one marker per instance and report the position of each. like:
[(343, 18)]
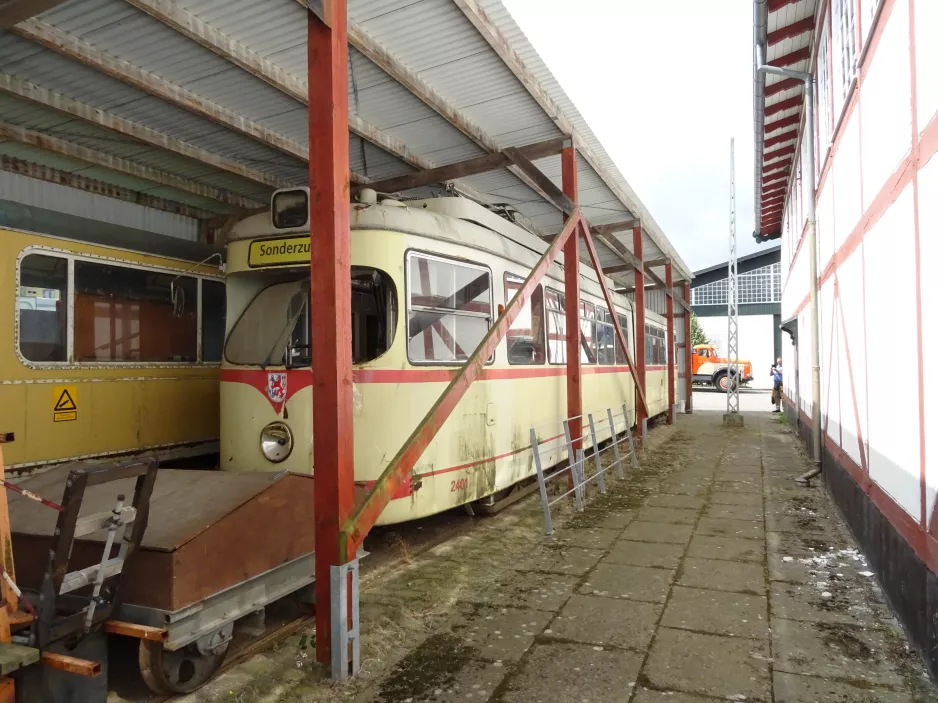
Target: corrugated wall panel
[(51, 196)]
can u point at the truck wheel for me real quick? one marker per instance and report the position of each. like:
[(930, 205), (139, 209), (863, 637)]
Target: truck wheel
[(721, 382)]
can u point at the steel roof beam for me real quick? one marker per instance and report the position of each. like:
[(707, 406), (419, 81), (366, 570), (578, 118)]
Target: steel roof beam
[(778, 153), (500, 44), (92, 115), (629, 258), (792, 30), (782, 138), (783, 122), (469, 167), (792, 58), (775, 5), (55, 145), (92, 185), (783, 105)]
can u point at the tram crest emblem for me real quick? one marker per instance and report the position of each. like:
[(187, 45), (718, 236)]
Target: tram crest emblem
[(277, 387)]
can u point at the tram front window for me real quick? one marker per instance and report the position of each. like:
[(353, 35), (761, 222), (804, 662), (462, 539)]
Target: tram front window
[(274, 329)]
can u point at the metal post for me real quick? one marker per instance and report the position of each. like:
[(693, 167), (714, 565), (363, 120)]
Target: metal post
[(628, 430), (331, 298), (580, 471), (639, 310), (688, 354), (572, 457), (346, 656), (597, 462), (571, 273), (541, 484), (617, 456), (732, 301), (671, 361)]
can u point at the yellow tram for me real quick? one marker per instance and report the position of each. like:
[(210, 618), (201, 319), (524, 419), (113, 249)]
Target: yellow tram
[(427, 279), (105, 352)]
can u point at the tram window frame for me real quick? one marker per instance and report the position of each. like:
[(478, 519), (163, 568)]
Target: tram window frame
[(61, 311), (559, 317), (531, 306), (71, 360), (621, 358), (588, 354), (489, 317), (604, 323)]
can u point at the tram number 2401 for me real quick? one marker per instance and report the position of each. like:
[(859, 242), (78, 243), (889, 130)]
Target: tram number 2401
[(460, 484)]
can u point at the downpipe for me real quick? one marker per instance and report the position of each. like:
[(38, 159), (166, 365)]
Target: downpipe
[(808, 81)]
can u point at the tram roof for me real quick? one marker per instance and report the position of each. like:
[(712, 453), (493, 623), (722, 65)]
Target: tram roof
[(197, 107)]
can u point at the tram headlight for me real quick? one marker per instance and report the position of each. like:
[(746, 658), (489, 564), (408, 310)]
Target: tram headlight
[(276, 442)]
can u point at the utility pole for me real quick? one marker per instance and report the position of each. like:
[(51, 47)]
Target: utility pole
[(732, 418)]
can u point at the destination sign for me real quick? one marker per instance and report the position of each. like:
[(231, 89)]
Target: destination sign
[(279, 252)]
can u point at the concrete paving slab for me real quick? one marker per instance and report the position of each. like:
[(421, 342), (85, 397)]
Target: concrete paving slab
[(435, 681), (731, 548), (832, 651), (665, 500), (597, 675), (559, 559), (736, 498), (641, 531), (716, 574), (501, 634), (724, 486), (593, 538), (734, 512), (719, 527), (681, 487), (722, 666), (676, 516), (656, 554), (540, 591), (830, 601), (717, 612), (606, 622), (792, 688), (633, 582), (645, 695), (618, 520)]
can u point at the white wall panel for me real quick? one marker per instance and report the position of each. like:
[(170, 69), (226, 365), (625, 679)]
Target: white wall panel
[(926, 60), (885, 104), (804, 361), (928, 256), (825, 225), (852, 376), (846, 172), (894, 392), (830, 386)]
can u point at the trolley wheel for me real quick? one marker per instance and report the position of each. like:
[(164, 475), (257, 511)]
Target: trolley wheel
[(182, 671)]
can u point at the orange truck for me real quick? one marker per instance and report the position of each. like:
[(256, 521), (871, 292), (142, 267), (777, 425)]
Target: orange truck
[(712, 370)]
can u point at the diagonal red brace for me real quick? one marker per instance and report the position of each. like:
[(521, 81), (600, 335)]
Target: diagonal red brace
[(588, 238), (367, 513)]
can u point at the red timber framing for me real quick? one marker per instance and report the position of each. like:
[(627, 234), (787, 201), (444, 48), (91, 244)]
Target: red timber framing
[(571, 279), (688, 352), (671, 360), (641, 412), (331, 289)]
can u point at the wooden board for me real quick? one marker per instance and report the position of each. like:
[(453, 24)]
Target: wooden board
[(208, 530)]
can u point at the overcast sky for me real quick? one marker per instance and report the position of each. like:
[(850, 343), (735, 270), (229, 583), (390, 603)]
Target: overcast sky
[(664, 85)]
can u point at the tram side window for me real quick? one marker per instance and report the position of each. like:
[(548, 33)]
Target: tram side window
[(128, 314), (526, 334), (449, 309), (41, 302), (588, 333), (213, 320), (605, 337), (649, 345), (374, 313), (620, 352), (556, 328)]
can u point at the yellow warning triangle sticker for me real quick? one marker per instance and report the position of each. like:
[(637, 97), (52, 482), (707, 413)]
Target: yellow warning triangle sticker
[(65, 402)]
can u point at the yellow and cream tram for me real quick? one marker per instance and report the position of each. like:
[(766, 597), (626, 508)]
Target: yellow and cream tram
[(427, 279), (106, 352)]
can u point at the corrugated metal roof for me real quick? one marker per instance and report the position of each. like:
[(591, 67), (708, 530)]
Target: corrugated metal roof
[(434, 40)]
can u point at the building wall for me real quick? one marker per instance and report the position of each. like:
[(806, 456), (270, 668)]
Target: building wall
[(877, 233)]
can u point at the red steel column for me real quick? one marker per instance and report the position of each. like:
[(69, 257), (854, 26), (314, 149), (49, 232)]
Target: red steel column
[(330, 297), (688, 351), (669, 283), (640, 413), (571, 269)]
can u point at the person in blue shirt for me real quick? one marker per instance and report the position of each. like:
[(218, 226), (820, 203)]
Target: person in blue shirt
[(777, 386)]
